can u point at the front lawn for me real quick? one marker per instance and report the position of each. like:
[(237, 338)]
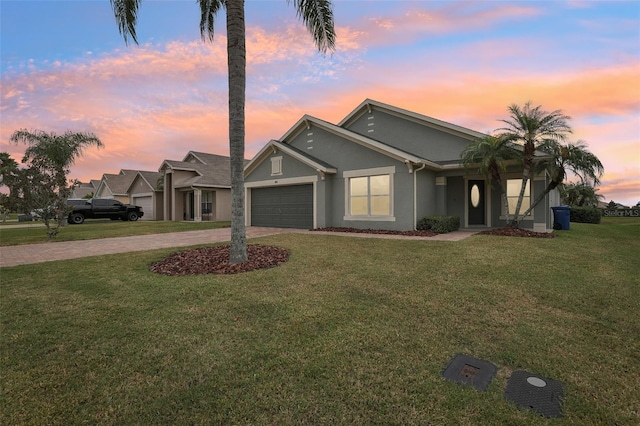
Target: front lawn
[(348, 331), (98, 228)]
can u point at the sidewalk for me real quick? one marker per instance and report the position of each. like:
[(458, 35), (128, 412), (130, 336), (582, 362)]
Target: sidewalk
[(47, 252)]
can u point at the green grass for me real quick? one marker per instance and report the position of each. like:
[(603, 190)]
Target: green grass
[(349, 331), (99, 228)]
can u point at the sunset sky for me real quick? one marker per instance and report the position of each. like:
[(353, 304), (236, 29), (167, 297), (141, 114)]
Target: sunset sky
[(65, 67)]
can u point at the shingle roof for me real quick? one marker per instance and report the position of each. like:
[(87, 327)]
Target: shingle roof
[(118, 184), (213, 170), (151, 178)]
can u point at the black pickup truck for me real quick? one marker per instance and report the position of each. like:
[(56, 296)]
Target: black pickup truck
[(98, 208)]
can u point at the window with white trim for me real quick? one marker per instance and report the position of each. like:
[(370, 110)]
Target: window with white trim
[(276, 166), (369, 194), (513, 193)]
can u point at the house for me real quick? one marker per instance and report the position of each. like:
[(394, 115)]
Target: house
[(85, 189), (197, 188), (146, 190), (116, 186), (381, 167)]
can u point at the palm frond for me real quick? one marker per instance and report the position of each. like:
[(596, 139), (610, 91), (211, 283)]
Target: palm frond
[(208, 11), (126, 13), (318, 17)]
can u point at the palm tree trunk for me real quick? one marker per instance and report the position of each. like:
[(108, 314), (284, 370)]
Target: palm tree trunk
[(505, 203), (236, 52), (538, 199), (529, 149), (553, 184)]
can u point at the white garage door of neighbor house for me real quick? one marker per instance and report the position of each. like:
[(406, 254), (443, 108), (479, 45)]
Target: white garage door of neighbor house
[(282, 206), (147, 206)]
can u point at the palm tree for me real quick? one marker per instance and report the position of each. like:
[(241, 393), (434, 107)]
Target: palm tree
[(50, 157), (580, 194), (318, 17), (489, 156), (572, 157), (532, 127), (8, 170)]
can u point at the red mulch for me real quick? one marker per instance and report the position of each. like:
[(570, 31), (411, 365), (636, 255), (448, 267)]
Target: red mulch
[(379, 232), (215, 260), (517, 232)]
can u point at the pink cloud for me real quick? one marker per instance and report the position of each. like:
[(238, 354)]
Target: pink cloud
[(152, 103), (408, 25)]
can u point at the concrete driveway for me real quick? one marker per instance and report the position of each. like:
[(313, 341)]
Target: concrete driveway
[(47, 252)]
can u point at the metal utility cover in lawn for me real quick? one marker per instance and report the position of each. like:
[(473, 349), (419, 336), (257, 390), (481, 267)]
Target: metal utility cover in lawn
[(532, 392), (470, 371)]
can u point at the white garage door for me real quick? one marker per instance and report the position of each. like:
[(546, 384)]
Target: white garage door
[(147, 206)]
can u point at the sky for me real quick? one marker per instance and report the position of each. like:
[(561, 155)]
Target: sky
[(64, 66)]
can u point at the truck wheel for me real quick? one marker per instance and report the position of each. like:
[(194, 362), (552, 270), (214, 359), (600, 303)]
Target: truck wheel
[(132, 216), (76, 218)]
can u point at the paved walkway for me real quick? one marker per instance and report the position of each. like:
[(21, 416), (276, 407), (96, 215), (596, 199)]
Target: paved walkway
[(46, 252)]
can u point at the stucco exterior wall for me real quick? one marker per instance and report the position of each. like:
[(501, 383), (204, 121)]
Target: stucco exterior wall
[(410, 136), (456, 197), (291, 168), (222, 200)]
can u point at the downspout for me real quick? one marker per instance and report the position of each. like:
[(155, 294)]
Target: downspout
[(415, 196)]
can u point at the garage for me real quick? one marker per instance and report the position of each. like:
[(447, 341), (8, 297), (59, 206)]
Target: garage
[(282, 206), (147, 206)]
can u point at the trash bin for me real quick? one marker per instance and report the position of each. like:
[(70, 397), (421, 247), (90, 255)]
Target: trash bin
[(561, 217)]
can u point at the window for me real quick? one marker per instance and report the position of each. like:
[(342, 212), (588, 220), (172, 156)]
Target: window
[(207, 202), (513, 193), (276, 166), (369, 195)]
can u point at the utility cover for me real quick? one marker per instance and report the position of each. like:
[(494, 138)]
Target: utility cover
[(470, 371), (532, 392)]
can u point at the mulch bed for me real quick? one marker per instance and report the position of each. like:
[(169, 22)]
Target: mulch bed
[(380, 232), (215, 260), (517, 232)]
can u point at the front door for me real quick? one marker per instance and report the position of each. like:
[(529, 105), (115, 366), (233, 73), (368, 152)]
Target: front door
[(476, 202)]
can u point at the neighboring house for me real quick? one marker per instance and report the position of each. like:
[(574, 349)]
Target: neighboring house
[(381, 167), (147, 192), (197, 188), (116, 185), (85, 190)]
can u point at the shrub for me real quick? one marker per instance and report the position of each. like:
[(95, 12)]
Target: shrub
[(439, 224), (585, 214)]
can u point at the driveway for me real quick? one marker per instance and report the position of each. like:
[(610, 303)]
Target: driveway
[(47, 252)]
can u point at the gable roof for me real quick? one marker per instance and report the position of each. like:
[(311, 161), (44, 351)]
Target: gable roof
[(369, 104), (150, 178), (85, 188), (273, 146), (117, 184), (210, 170), (387, 149), (393, 152)]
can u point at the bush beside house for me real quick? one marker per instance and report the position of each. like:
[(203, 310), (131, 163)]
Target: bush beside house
[(439, 224), (585, 214)]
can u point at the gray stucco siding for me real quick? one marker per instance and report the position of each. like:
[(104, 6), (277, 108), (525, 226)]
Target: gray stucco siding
[(456, 197), (291, 167), (339, 152), (410, 136), (426, 194)]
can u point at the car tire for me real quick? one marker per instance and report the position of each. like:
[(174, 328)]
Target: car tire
[(132, 216), (76, 218)]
